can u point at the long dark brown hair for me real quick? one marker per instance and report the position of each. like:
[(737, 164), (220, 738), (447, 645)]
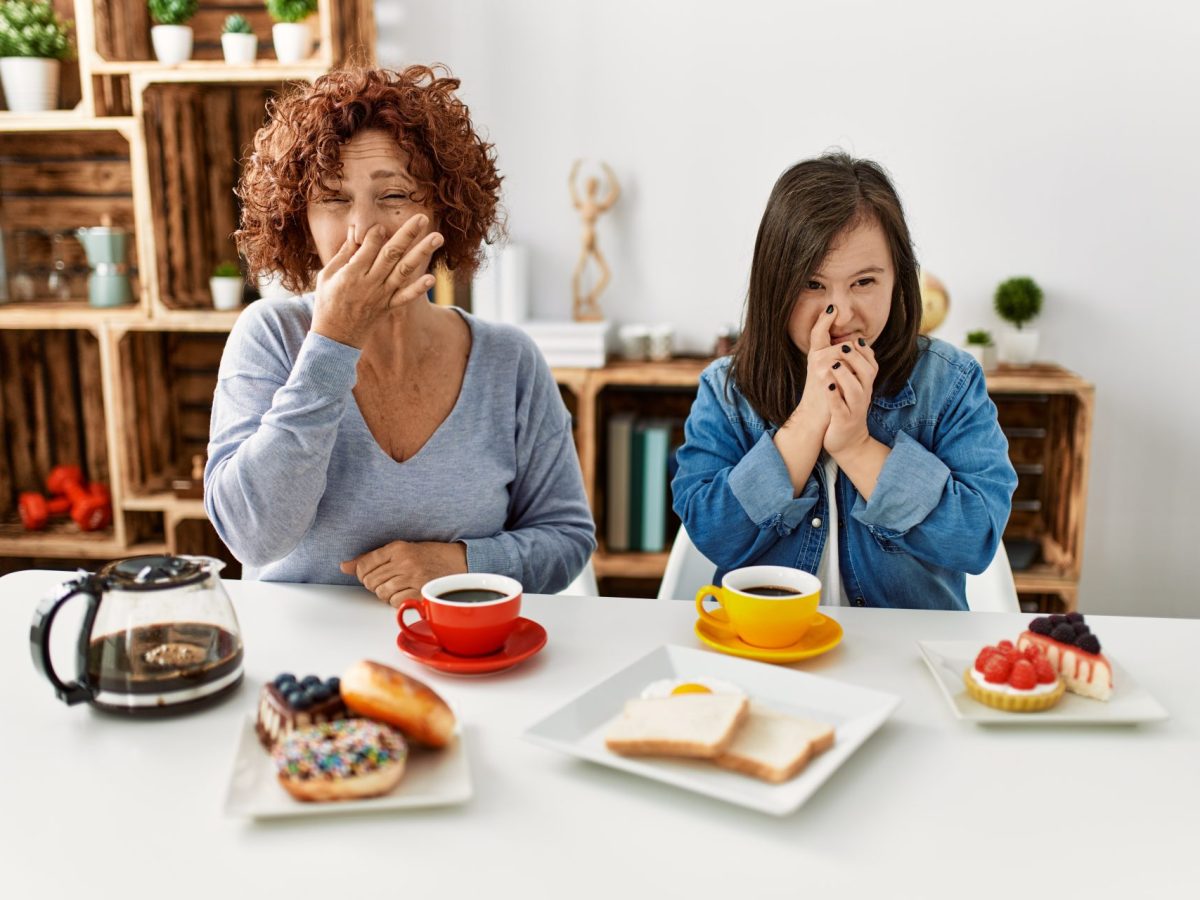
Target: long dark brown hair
[(811, 204)]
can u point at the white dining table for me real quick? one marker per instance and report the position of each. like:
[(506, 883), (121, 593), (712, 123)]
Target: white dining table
[(95, 805)]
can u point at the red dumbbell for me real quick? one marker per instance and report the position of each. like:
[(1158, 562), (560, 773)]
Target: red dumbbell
[(36, 510), (91, 508)]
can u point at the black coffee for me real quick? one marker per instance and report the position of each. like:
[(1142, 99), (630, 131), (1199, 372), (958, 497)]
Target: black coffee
[(161, 659), (471, 595), (770, 590)]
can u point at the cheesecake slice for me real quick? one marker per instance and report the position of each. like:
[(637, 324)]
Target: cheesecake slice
[(1074, 651)]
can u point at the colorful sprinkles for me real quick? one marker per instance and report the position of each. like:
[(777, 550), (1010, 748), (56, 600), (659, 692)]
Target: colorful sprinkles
[(340, 749)]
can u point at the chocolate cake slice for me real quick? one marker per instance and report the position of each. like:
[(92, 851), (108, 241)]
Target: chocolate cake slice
[(286, 704)]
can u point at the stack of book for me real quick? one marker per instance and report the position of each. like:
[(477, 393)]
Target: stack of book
[(641, 463), (570, 345)]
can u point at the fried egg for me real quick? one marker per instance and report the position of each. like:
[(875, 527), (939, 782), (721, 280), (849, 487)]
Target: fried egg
[(672, 687)]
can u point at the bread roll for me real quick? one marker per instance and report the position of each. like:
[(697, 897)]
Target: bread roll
[(379, 692)]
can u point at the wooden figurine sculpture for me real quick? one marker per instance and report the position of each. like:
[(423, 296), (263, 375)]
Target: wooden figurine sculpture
[(586, 308)]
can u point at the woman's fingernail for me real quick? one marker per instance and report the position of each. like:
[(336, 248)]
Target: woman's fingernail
[(845, 348), (437, 240), (862, 342), (829, 309), (837, 365), (833, 387)]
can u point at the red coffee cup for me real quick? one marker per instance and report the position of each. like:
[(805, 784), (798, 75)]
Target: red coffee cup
[(470, 615)]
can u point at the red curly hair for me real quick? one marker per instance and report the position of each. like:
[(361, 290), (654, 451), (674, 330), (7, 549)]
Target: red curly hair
[(299, 149)]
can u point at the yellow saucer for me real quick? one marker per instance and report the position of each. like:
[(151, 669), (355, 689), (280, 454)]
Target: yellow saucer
[(819, 638)]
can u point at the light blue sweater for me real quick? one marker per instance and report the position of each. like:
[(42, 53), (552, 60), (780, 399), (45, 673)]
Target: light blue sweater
[(295, 482)]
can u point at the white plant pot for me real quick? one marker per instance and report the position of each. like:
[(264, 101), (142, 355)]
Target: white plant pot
[(226, 292), (239, 49), (1019, 346), (172, 43), (30, 84), (985, 354), (293, 41)]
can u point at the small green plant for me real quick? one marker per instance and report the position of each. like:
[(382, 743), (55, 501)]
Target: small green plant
[(1018, 300), (980, 337), (291, 10), (227, 269), (172, 12), (236, 24), (32, 28)]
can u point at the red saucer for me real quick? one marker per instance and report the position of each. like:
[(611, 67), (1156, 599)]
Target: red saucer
[(526, 639)]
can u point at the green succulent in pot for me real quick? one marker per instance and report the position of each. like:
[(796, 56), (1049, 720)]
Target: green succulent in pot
[(291, 10), (979, 338), (1019, 300), (236, 24)]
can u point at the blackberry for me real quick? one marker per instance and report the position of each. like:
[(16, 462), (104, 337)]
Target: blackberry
[(1041, 625), (1082, 628), (1089, 643), (1063, 632), (1057, 619), (1074, 617)]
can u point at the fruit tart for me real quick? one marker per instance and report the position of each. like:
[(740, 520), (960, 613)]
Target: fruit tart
[(1013, 680), (1074, 652)]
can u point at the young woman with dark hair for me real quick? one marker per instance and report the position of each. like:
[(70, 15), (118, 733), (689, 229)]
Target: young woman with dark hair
[(836, 439)]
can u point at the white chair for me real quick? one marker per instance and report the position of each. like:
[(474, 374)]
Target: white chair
[(688, 570), (584, 584), (993, 589)]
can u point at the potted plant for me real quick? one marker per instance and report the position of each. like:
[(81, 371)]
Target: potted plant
[(1018, 301), (171, 38), (238, 42), (979, 345), (226, 285), (290, 33), (33, 43)]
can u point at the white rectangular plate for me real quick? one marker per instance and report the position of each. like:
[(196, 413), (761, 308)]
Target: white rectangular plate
[(578, 728), (431, 778), (1130, 702)]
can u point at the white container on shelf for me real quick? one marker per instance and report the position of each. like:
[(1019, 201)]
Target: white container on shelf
[(30, 83), (1019, 346), (172, 43), (226, 291), (293, 41), (239, 49)]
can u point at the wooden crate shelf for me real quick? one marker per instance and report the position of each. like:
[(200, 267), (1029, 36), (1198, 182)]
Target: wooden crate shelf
[(127, 392)]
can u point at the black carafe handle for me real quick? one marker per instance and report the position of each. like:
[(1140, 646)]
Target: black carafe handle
[(39, 637)]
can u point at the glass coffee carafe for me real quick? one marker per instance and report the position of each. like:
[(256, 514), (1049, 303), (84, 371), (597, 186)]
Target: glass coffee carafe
[(159, 635)]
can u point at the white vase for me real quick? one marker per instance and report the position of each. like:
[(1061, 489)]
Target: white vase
[(293, 41), (976, 350), (1019, 346), (172, 43), (239, 49), (226, 291), (30, 83)]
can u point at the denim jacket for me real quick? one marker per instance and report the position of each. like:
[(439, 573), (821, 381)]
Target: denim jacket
[(938, 509)]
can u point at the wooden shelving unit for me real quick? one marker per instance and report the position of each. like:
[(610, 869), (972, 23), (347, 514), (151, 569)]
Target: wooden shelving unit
[(125, 393), (1045, 410)]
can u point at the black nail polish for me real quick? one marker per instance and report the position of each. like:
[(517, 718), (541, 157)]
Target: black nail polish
[(845, 348), (829, 309), (837, 365), (862, 342), (833, 387)]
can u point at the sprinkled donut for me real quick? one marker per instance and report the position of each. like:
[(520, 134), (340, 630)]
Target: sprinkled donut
[(342, 760)]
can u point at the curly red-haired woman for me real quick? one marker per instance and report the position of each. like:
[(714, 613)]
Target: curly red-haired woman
[(358, 431)]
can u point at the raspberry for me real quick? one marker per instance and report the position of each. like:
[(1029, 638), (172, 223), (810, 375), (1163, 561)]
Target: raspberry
[(1089, 643), (1031, 652), (1005, 645), (1044, 671), (997, 669), (1041, 625), (1063, 633), (1074, 618), (1023, 676)]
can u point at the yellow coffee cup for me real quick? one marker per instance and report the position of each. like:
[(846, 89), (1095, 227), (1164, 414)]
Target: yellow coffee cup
[(765, 606)]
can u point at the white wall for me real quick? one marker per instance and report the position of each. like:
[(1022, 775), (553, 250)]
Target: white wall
[(1057, 139)]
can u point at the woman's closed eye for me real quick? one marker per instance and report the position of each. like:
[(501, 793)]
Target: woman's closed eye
[(863, 282)]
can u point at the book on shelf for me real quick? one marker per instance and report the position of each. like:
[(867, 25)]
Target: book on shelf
[(654, 435), (638, 501), (619, 438)]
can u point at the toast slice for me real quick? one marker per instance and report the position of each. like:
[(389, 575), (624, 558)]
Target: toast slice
[(773, 746), (694, 725)]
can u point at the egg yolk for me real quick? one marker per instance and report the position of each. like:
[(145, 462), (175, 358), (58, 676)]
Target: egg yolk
[(690, 688)]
